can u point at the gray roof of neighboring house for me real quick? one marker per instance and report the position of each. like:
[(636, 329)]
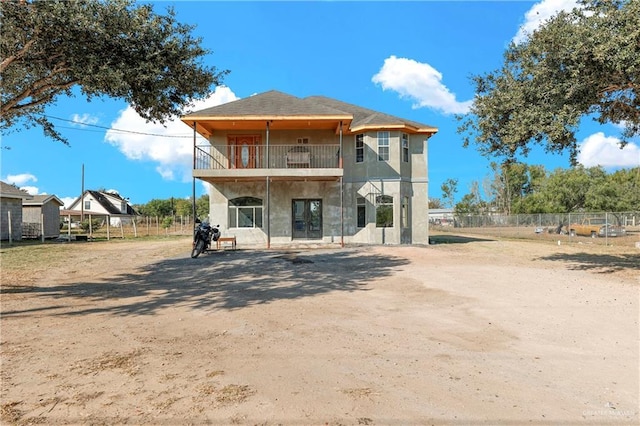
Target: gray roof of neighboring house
[(12, 191), (39, 200), (278, 104)]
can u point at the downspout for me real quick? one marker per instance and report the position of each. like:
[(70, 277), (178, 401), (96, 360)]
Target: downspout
[(341, 191), (268, 195), (193, 178)]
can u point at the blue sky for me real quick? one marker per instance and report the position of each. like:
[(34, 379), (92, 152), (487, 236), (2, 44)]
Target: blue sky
[(411, 59)]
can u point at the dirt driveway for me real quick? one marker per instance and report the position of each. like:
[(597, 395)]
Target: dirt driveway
[(477, 332)]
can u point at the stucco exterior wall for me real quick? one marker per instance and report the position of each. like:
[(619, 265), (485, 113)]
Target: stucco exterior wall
[(396, 178), (281, 196), (14, 206)]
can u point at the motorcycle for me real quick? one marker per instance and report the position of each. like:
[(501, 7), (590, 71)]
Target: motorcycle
[(203, 236)]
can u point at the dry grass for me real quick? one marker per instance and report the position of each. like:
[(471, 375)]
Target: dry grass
[(9, 412), (215, 373), (234, 394), (359, 393), (127, 362)]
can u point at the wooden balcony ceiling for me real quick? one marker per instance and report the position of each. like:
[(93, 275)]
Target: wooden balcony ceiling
[(285, 112)]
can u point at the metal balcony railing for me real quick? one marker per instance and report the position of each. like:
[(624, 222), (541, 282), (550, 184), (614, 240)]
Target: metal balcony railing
[(274, 157)]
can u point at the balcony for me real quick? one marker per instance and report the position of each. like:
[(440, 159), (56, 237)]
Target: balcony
[(251, 162)]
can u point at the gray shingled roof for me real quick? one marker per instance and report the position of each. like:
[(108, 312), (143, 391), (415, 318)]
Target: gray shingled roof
[(12, 191), (101, 199), (364, 116), (41, 199), (275, 103), (272, 103)]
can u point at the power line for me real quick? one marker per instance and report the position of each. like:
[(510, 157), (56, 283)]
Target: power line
[(112, 129)]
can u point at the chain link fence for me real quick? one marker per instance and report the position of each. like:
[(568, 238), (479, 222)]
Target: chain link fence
[(608, 228)]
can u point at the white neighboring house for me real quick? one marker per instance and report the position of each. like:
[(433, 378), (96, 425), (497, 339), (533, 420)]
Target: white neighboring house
[(108, 203)]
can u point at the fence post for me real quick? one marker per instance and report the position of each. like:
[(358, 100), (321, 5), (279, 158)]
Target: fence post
[(10, 227), (606, 228), (135, 230), (42, 227)]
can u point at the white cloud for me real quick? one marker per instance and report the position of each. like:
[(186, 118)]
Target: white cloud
[(67, 201), (601, 150), (21, 179), (173, 154), (31, 190), (206, 186), (539, 14), (84, 119), (419, 82)]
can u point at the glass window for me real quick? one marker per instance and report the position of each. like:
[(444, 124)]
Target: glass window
[(405, 213), (360, 148), (405, 147), (361, 212), (384, 211), (87, 205), (383, 146), (245, 212)]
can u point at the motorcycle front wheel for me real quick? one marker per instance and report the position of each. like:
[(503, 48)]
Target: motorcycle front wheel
[(198, 248)]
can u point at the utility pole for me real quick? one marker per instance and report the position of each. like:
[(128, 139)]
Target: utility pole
[(81, 198)]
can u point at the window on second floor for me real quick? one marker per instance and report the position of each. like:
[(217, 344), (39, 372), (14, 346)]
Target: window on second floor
[(383, 146), (405, 147), (360, 148), (87, 205)]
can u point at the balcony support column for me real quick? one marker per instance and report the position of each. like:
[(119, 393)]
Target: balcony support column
[(267, 143), (268, 191), (268, 213), (193, 183), (341, 192)]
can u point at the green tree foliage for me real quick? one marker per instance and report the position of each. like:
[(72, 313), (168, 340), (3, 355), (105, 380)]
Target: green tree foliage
[(175, 206), (114, 48), (435, 203), (449, 188), (92, 225), (202, 207), (183, 206), (167, 222), (580, 63), (469, 205), (534, 190), (156, 207)]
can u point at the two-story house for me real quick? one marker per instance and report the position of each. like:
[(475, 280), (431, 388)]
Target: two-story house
[(285, 169)]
